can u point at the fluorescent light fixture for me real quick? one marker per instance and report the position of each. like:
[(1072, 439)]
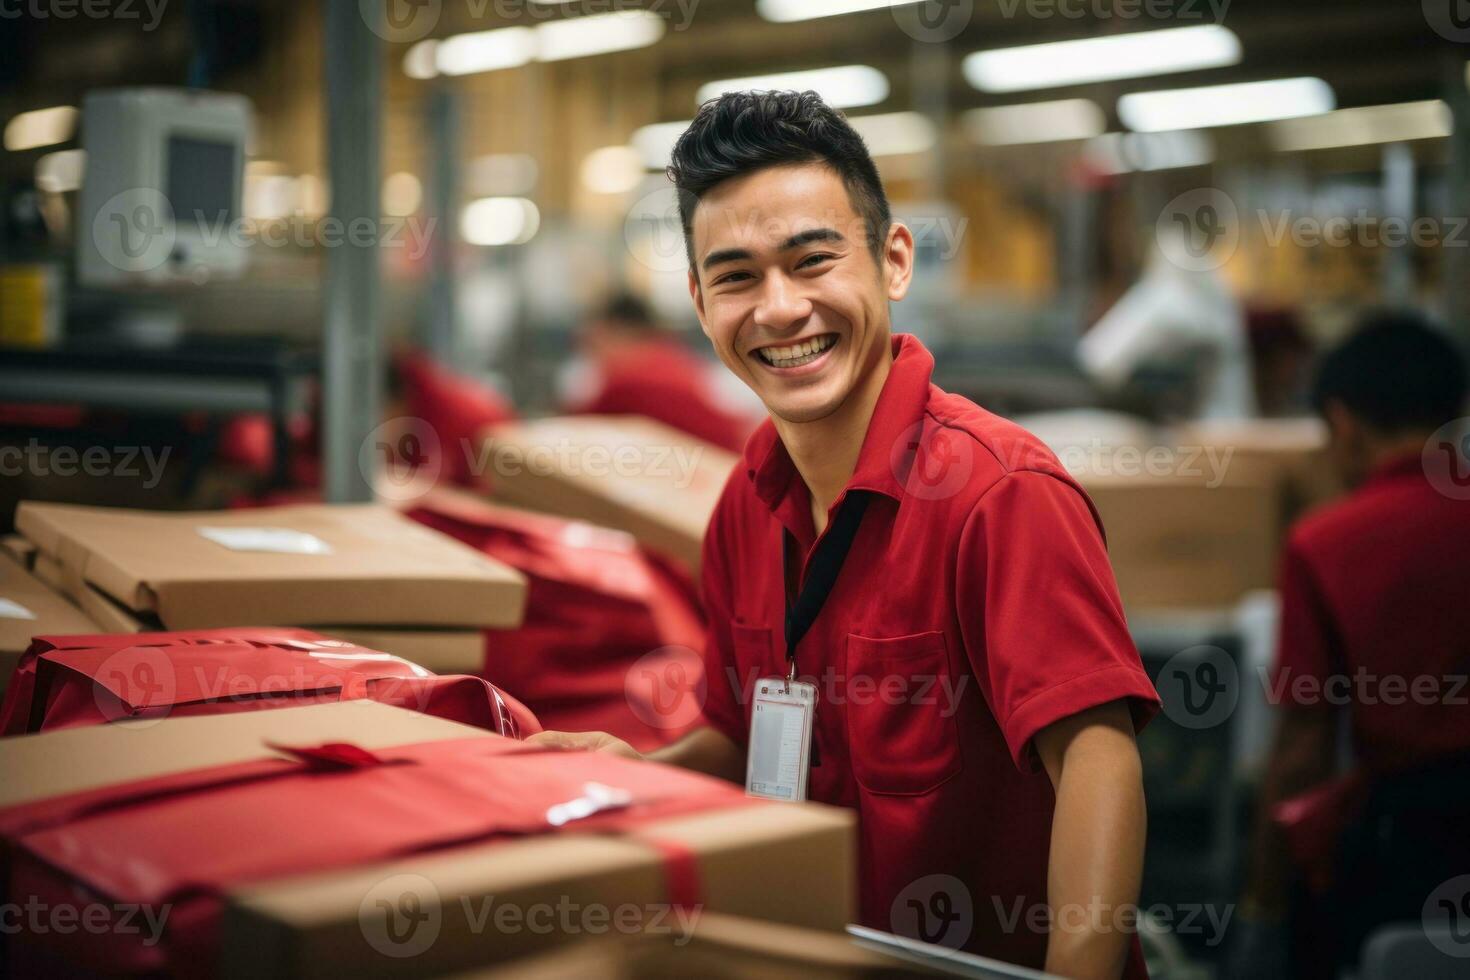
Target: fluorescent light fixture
[(842, 87), (1369, 124), (61, 171), (499, 221), (1100, 59), (895, 133), (465, 54), (41, 127), (1035, 122), (612, 170), (1225, 105), (1122, 153), (655, 143), (581, 37), (512, 47), (783, 11)]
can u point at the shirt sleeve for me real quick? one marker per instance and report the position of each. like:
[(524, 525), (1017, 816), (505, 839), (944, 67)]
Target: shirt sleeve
[(1039, 611), (1305, 641), (721, 701)]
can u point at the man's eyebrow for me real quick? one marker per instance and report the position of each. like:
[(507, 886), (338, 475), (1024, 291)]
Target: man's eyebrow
[(795, 241)]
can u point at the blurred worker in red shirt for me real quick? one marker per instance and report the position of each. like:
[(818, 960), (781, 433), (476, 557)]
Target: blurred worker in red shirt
[(640, 368), (1374, 645)]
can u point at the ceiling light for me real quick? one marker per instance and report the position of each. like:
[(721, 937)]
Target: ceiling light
[(789, 10), (499, 221), (580, 37), (1035, 122), (612, 170), (655, 143), (1225, 105), (1098, 59), (41, 127), (841, 87), (1369, 124), (1121, 153), (895, 133)]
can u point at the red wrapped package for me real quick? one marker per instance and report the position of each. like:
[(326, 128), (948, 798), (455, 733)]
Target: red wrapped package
[(608, 627), (154, 846), (71, 681), (455, 407)]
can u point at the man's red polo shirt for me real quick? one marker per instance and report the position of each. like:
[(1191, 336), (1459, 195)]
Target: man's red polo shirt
[(1375, 617), (975, 608)]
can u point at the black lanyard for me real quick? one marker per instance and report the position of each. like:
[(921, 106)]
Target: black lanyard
[(822, 572)]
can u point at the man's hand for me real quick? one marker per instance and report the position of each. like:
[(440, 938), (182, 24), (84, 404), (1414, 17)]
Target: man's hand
[(586, 741)]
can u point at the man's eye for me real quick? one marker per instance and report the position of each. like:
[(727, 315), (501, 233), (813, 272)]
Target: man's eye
[(812, 260), (731, 277)]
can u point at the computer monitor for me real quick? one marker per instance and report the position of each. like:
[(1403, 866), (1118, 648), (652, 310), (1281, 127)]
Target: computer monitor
[(162, 194)]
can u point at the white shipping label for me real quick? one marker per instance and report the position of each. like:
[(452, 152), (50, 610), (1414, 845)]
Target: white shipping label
[(10, 609), (281, 540), (779, 752)]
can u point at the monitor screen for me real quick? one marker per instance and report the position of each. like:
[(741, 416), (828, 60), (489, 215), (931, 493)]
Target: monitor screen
[(201, 181)]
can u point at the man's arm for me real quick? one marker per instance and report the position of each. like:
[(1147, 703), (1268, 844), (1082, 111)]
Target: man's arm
[(704, 750), (1097, 839)]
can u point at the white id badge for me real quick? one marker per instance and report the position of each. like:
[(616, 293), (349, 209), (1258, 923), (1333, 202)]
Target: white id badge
[(779, 755)]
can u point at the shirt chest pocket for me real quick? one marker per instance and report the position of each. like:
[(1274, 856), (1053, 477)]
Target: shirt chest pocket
[(901, 730)]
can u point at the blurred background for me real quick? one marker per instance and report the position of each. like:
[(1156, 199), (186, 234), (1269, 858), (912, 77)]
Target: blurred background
[(239, 238)]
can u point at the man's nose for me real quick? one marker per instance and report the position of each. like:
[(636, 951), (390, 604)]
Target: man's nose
[(781, 305)]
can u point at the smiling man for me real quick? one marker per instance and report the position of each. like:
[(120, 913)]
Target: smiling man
[(976, 689)]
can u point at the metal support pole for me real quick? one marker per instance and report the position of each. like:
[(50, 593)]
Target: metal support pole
[(352, 356), (1456, 272), (1398, 207), (442, 339)]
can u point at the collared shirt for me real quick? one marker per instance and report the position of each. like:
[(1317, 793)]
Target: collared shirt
[(975, 608), (1375, 617)]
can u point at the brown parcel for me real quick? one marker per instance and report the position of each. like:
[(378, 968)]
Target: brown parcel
[(792, 863), (19, 549), (1177, 541), (718, 947), (621, 471), (28, 607), (381, 568)]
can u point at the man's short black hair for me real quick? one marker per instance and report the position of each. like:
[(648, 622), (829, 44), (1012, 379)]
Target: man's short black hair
[(741, 132), (1396, 373), (627, 310)]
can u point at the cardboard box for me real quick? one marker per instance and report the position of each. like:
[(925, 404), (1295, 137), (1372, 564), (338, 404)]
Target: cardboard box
[(28, 607), (71, 760), (442, 651), (1185, 541), (718, 947), (21, 551), (623, 472), (283, 566), (791, 863)]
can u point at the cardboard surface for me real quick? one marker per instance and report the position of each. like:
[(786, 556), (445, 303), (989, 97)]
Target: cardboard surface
[(20, 591), (19, 549), (373, 566), (1179, 541), (441, 651), (74, 759), (315, 926), (718, 947), (625, 472)]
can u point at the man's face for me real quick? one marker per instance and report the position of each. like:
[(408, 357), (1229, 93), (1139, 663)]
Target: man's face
[(787, 288)]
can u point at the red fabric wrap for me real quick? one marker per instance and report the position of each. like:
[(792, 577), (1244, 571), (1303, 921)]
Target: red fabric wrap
[(597, 605), (70, 681), (183, 841)]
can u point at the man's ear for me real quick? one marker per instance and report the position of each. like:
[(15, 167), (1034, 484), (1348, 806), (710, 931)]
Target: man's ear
[(898, 260), (697, 295)]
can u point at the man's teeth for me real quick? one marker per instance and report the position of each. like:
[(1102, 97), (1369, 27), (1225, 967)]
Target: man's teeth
[(797, 354)]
